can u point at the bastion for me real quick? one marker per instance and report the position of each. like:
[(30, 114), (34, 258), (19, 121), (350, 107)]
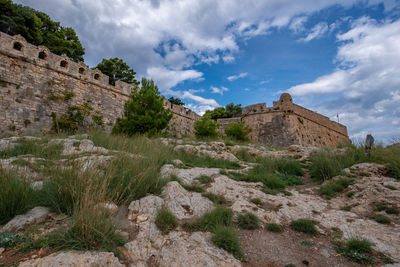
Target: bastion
[(286, 123), (36, 85)]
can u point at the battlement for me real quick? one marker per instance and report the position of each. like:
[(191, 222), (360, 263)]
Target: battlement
[(181, 110), (17, 47)]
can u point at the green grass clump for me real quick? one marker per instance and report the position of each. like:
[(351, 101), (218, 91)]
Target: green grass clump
[(307, 243), (329, 190), (304, 225), (216, 199), (210, 220), (382, 219), (386, 208), (227, 239), (37, 148), (16, 194), (357, 250), (256, 201), (248, 221), (273, 227), (350, 193), (166, 221), (243, 155), (289, 167), (204, 179)]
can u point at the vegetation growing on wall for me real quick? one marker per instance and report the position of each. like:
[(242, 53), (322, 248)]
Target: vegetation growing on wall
[(229, 111), (117, 70), (238, 131), (175, 101)]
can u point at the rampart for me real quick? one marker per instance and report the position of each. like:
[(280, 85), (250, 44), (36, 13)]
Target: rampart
[(35, 83), (286, 123)]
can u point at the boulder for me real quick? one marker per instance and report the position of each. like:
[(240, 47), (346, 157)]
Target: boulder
[(34, 216)]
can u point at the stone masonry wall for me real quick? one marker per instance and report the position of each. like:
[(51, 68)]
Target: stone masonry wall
[(34, 83), (287, 124)]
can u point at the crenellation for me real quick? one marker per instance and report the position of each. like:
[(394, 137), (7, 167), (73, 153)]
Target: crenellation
[(33, 81)]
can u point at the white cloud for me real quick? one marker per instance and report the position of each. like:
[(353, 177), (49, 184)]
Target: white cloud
[(235, 77), (297, 24), (218, 90), (366, 84), (169, 78), (316, 32), (174, 35)]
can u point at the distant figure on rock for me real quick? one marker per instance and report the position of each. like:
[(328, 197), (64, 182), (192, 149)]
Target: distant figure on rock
[(369, 142)]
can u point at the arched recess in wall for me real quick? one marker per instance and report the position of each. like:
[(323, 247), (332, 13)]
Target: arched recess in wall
[(97, 76), (81, 70), (63, 63), (17, 46), (42, 55)]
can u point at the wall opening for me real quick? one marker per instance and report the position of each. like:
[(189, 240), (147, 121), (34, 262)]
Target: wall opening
[(42, 55), (63, 64), (97, 76), (81, 71), (17, 46)]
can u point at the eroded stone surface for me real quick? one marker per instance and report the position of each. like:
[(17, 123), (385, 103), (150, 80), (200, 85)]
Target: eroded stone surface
[(75, 259), (35, 215), (75, 146)]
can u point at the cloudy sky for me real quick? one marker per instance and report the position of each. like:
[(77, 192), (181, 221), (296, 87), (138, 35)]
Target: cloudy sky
[(337, 57)]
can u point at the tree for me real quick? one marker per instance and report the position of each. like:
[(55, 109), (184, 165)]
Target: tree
[(144, 112), (230, 110), (205, 127), (38, 29), (175, 101), (238, 131), (117, 70)]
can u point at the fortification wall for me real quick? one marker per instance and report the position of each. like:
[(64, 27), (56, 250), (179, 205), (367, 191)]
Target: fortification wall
[(182, 123), (34, 83), (286, 124)]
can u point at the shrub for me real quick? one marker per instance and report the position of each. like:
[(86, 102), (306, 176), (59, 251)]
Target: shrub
[(227, 239), (166, 221), (205, 127), (356, 250), (238, 131), (304, 225), (273, 227), (243, 155), (144, 112), (248, 221), (379, 218), (387, 209), (329, 190), (350, 193), (289, 167)]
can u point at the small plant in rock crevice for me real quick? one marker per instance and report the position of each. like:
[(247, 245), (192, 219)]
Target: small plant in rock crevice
[(166, 221), (273, 227)]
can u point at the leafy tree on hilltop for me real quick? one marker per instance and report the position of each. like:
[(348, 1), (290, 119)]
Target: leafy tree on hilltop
[(117, 70), (144, 112), (38, 29), (175, 101), (230, 110)]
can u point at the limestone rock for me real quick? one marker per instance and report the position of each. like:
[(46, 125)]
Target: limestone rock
[(148, 205), (75, 146), (75, 259), (216, 150), (184, 204), (187, 176), (35, 215)]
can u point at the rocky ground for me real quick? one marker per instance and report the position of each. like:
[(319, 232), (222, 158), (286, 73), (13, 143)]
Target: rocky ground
[(342, 217)]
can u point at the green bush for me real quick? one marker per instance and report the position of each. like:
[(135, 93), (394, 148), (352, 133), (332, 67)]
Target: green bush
[(382, 219), (248, 221), (357, 250), (289, 167), (273, 227), (144, 112), (205, 127), (304, 225), (227, 239), (166, 221), (329, 190), (256, 201), (238, 131)]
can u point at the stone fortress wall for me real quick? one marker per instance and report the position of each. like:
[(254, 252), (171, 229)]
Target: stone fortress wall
[(34, 83), (287, 123)]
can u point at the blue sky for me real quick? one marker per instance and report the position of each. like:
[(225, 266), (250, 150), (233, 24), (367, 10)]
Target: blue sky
[(334, 56)]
